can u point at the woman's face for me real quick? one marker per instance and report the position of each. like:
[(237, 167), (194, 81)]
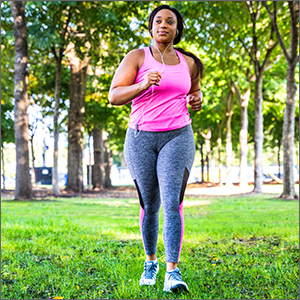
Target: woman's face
[(164, 26)]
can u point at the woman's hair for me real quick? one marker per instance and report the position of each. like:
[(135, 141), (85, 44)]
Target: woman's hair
[(180, 27)]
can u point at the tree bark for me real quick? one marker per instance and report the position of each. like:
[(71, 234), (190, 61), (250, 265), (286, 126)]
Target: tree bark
[(107, 161), (288, 137), (98, 159), (207, 148), (228, 139), (202, 160), (23, 189), (219, 149), (75, 122), (213, 164), (90, 162), (278, 158), (33, 178), (244, 147), (2, 168), (55, 187), (258, 136)]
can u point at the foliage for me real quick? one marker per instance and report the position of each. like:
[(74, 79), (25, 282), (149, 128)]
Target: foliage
[(218, 32)]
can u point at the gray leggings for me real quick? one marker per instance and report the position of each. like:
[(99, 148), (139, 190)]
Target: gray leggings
[(160, 163)]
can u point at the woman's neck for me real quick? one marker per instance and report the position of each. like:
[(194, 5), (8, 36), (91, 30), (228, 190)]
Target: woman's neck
[(162, 47)]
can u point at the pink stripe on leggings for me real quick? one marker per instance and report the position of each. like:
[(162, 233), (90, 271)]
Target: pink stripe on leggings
[(142, 213), (182, 227)]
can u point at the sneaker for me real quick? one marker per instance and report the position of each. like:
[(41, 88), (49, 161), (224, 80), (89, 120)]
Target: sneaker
[(149, 275), (174, 283)]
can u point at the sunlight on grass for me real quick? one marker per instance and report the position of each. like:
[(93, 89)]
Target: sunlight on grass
[(235, 247)]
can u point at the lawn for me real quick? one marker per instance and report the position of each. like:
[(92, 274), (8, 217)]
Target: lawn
[(238, 247)]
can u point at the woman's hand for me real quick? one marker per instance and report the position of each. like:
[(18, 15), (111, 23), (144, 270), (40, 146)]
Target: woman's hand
[(152, 78), (195, 100)]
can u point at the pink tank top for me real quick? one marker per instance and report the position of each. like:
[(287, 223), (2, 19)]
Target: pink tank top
[(168, 108)]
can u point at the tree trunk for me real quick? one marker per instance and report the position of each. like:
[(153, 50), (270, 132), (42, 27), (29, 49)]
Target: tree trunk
[(243, 101), (33, 179), (228, 139), (219, 160), (207, 148), (219, 149), (213, 164), (55, 187), (23, 189), (288, 137), (3, 170), (278, 158), (107, 161), (90, 163), (98, 159), (258, 136), (75, 122), (244, 147), (202, 161)]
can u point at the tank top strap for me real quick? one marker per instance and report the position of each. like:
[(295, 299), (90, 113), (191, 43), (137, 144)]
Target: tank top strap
[(147, 53), (183, 61)]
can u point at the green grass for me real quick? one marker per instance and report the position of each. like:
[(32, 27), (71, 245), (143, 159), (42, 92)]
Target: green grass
[(238, 247)]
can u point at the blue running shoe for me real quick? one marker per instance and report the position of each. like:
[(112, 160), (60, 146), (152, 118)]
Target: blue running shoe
[(149, 275), (174, 283)]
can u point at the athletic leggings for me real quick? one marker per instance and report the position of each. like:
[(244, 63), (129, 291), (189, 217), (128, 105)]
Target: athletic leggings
[(160, 163)]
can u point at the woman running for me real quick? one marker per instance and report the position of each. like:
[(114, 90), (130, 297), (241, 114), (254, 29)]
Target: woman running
[(159, 147)]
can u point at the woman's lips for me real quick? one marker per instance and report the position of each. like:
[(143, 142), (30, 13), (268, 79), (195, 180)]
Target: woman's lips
[(162, 32)]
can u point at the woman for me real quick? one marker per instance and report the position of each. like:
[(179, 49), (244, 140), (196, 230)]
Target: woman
[(159, 147)]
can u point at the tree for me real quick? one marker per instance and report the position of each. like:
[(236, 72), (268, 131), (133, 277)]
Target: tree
[(260, 68), (75, 122), (55, 16), (292, 59), (229, 111), (23, 188)]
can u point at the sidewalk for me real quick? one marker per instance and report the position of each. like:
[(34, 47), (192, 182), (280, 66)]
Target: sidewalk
[(198, 189)]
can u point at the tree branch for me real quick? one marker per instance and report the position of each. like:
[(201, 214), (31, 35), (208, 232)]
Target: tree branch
[(268, 56), (273, 17), (237, 91), (294, 13), (272, 63), (249, 52), (54, 52)]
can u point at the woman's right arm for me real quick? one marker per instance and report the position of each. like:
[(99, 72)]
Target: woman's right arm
[(123, 89)]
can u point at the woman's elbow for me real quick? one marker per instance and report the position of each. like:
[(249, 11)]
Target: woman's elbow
[(111, 98)]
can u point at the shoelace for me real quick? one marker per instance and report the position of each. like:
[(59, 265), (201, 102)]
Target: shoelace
[(149, 270), (175, 275)]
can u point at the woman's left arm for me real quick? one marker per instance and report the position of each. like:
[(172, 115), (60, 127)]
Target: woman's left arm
[(195, 95)]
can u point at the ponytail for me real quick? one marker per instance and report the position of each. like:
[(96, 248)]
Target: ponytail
[(198, 62)]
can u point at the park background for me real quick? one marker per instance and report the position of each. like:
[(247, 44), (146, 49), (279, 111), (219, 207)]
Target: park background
[(55, 115), (235, 143)]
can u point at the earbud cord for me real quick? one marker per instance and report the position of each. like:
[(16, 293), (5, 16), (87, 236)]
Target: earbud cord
[(162, 59)]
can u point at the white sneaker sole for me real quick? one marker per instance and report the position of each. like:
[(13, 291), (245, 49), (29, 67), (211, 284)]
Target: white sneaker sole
[(147, 282), (177, 289)]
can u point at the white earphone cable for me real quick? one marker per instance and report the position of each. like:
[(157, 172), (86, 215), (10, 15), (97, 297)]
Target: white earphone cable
[(164, 65)]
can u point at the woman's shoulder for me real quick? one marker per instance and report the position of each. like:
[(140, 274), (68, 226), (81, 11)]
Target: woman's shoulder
[(137, 55)]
